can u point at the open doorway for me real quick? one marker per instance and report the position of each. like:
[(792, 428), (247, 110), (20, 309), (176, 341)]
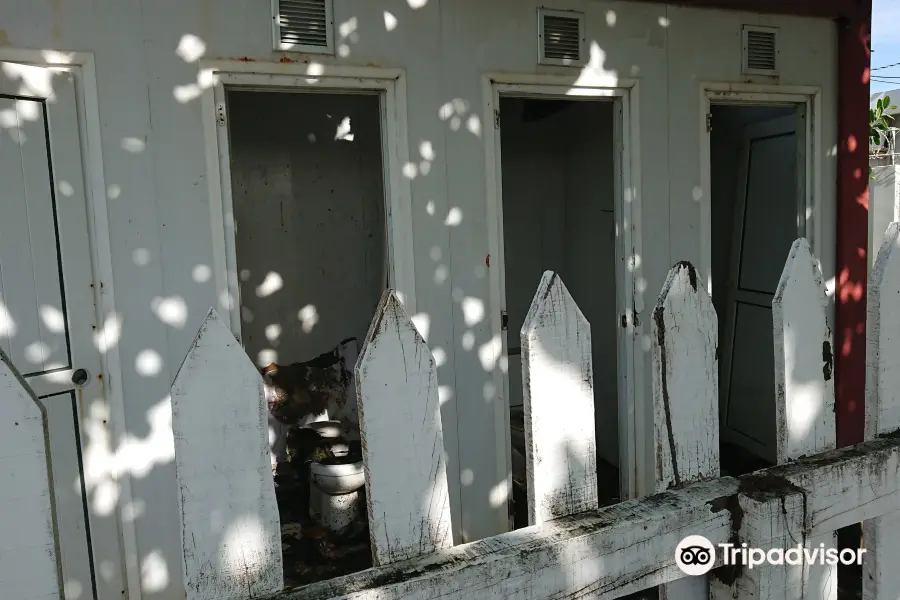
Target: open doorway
[(758, 189), (307, 174), (558, 180)]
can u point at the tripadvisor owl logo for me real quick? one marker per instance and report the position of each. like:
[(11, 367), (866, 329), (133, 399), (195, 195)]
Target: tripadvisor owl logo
[(695, 555)]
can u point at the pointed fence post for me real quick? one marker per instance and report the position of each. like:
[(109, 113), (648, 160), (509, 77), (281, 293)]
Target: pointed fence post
[(881, 536), (804, 414), (230, 527), (29, 546), (684, 343), (558, 394), (403, 445)]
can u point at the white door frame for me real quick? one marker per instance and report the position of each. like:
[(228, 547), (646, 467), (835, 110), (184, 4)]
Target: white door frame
[(297, 77), (628, 246), (757, 94), (106, 543)]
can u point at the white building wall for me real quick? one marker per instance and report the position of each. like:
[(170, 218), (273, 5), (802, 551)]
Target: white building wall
[(154, 165)]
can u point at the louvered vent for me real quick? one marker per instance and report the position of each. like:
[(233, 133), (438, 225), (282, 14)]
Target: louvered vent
[(760, 52), (561, 38), (303, 25)]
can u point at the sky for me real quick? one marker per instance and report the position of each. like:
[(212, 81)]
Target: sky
[(885, 45)]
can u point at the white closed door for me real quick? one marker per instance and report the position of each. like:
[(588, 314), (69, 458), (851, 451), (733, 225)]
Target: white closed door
[(769, 216), (47, 311)]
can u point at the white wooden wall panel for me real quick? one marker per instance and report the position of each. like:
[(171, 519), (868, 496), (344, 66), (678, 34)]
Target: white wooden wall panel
[(28, 540), (402, 440), (558, 393), (230, 527), (685, 394), (881, 536)]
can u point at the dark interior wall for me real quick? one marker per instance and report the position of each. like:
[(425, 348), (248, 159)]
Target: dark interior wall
[(308, 197)]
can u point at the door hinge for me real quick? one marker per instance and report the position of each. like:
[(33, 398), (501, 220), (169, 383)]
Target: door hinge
[(504, 320), (708, 122), (496, 118), (220, 114)]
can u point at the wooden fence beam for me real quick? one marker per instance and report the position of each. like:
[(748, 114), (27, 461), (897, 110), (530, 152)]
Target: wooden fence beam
[(625, 548)]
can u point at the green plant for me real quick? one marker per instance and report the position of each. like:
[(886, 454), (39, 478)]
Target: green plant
[(880, 122)]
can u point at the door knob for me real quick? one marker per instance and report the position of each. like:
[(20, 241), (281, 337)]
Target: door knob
[(80, 377)]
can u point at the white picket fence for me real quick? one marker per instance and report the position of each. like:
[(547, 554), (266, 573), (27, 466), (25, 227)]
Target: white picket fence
[(230, 523)]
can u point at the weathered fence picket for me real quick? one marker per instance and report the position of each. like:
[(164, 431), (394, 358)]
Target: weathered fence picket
[(684, 340), (558, 393), (402, 440), (231, 531), (610, 552), (29, 545), (881, 536)]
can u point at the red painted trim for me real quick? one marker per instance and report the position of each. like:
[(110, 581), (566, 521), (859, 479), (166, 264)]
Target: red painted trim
[(829, 9), (852, 232)]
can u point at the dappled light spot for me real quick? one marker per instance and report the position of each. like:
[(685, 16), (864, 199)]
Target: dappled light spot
[(611, 18), (488, 353), (245, 275), (664, 22), (423, 324), (454, 217), (107, 337), (133, 510), (190, 48), (473, 311), (634, 262), (53, 318), (66, 188), (7, 324), (148, 363), (243, 538), (308, 316), (697, 193), (414, 4), (468, 340), (489, 390), (499, 494), (410, 170), (107, 570), (467, 477), (106, 495), (247, 315), (113, 191), (445, 394), (390, 21), (440, 356), (140, 257), (154, 572), (171, 310), (271, 284), (273, 332), (457, 294), (37, 352), (133, 145), (429, 207), (343, 131), (424, 167), (641, 284), (313, 71), (426, 150), (343, 50), (72, 589), (138, 456), (594, 73), (473, 124), (441, 274), (266, 357), (435, 253), (201, 273)]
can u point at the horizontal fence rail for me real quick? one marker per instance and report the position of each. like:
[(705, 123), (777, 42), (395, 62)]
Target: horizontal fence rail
[(572, 548)]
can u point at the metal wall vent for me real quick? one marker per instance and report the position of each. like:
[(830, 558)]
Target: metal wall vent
[(303, 25), (760, 50), (561, 38)]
